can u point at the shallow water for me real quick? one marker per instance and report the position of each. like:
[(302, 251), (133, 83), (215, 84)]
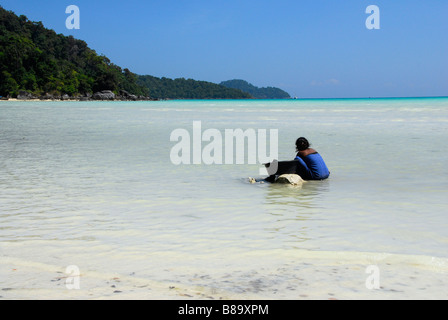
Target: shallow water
[(92, 185)]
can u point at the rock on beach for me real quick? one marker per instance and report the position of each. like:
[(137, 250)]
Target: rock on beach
[(104, 95), (293, 179)]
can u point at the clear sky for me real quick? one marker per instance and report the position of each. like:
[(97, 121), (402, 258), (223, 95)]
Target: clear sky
[(309, 48)]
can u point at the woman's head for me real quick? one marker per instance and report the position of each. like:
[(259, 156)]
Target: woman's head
[(302, 144)]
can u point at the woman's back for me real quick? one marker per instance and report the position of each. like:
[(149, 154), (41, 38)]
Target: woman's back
[(315, 166)]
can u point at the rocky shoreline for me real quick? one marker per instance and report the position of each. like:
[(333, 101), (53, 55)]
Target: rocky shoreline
[(105, 95)]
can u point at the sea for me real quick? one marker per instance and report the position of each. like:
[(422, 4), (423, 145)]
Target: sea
[(92, 205)]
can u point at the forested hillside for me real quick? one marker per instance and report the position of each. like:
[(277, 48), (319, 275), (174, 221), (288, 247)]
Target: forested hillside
[(164, 88), (258, 93), (36, 62), (40, 61), (45, 64)]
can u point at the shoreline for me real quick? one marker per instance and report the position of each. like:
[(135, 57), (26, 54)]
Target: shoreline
[(55, 100), (85, 99), (70, 100), (105, 95), (342, 275), (155, 100)]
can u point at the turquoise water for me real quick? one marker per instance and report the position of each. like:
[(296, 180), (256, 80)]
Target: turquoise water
[(92, 185)]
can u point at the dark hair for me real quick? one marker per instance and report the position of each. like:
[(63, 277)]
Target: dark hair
[(302, 144)]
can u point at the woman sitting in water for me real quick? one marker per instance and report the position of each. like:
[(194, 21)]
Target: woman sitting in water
[(312, 166), (308, 164)]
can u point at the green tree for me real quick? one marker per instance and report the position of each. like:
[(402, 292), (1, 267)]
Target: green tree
[(37, 59), (7, 84)]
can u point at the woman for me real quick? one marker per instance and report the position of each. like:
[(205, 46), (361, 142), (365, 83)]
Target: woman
[(312, 166)]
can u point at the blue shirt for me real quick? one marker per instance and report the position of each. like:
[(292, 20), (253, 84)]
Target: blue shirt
[(314, 166)]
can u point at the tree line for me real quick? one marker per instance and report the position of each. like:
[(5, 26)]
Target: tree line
[(256, 92), (181, 88), (36, 59), (43, 63)]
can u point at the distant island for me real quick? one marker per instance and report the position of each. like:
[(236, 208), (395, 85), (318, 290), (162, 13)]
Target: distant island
[(165, 88), (38, 63), (257, 93)]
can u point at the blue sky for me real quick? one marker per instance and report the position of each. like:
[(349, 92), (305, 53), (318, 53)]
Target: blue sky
[(309, 48)]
